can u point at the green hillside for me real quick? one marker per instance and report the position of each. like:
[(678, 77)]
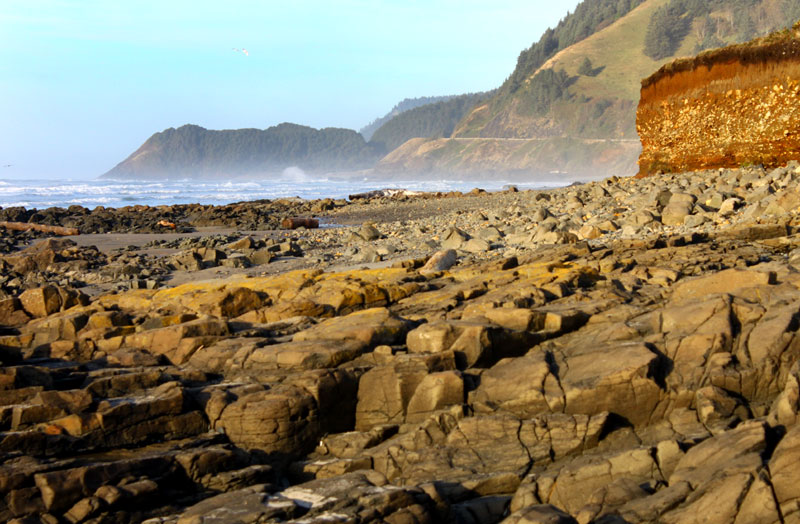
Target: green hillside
[(590, 89), (193, 151), (401, 107), (436, 119)]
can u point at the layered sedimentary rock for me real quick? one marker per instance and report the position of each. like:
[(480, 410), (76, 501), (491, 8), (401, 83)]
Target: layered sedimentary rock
[(725, 108), (649, 374)]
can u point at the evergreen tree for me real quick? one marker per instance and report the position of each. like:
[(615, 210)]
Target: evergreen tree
[(666, 30), (589, 17), (586, 69)]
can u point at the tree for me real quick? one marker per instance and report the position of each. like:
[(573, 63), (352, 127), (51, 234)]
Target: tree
[(586, 68), (666, 30), (589, 17)]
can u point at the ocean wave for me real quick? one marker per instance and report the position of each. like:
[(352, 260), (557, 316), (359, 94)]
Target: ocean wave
[(118, 193)]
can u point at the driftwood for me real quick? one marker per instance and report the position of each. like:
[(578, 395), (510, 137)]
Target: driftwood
[(294, 223), (25, 226), (164, 223)]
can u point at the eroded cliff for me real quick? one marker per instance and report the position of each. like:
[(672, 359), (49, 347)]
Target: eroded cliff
[(729, 107)]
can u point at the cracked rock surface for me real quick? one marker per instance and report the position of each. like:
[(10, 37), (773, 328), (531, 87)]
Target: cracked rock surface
[(650, 377)]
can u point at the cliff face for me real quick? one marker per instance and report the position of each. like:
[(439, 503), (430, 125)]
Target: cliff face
[(726, 108)]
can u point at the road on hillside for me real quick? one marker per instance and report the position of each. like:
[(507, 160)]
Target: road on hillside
[(541, 139)]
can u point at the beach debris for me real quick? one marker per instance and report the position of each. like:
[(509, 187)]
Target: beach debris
[(294, 223), (25, 226), (165, 223)]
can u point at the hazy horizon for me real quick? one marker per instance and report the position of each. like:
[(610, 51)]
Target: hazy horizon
[(84, 85)]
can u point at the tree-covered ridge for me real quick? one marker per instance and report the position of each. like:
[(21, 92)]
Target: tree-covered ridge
[(715, 23), (589, 17), (192, 150), (401, 107), (431, 120)]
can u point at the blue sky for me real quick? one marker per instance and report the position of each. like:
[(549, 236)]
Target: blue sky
[(84, 82)]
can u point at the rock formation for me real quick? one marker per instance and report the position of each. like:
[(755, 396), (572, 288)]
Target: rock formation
[(725, 108), (574, 370)]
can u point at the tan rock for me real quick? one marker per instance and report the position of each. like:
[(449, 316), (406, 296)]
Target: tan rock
[(166, 341), (589, 232), (61, 489), (616, 378), (733, 452), (726, 281), (717, 410), (568, 487), (353, 443), (41, 302), (281, 420), (235, 302), (475, 343), (300, 354), (440, 261), (431, 338), (648, 509), (718, 503), (213, 358), (108, 320), (371, 327), (436, 391), (786, 407), (520, 319), (384, 392), (675, 213), (12, 312), (785, 474)]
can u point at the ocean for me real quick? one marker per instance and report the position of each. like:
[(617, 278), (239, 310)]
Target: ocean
[(91, 193)]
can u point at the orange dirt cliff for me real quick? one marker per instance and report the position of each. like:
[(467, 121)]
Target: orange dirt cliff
[(729, 107)]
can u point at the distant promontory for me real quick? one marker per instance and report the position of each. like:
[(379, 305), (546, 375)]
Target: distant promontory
[(196, 152)]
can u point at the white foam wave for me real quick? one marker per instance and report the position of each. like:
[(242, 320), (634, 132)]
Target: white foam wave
[(117, 193)]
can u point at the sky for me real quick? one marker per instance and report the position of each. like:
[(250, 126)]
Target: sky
[(83, 83)]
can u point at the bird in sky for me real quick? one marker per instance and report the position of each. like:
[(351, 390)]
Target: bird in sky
[(9, 165), (242, 50)]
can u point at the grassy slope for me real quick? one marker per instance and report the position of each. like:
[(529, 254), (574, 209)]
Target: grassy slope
[(617, 49), (599, 107)]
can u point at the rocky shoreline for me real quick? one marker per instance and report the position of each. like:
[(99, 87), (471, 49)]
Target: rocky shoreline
[(618, 351)]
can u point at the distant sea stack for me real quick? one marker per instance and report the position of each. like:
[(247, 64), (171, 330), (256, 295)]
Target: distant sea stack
[(730, 107), (192, 151)]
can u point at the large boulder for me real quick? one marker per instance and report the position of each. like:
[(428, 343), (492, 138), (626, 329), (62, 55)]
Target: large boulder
[(616, 377), (283, 421), (371, 327), (385, 392)]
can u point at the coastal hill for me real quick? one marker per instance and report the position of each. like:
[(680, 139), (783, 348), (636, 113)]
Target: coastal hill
[(580, 84), (193, 151), (618, 351), (404, 105), (569, 106), (435, 119)]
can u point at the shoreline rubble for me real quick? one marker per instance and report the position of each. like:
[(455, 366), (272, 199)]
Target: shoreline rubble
[(617, 351)]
